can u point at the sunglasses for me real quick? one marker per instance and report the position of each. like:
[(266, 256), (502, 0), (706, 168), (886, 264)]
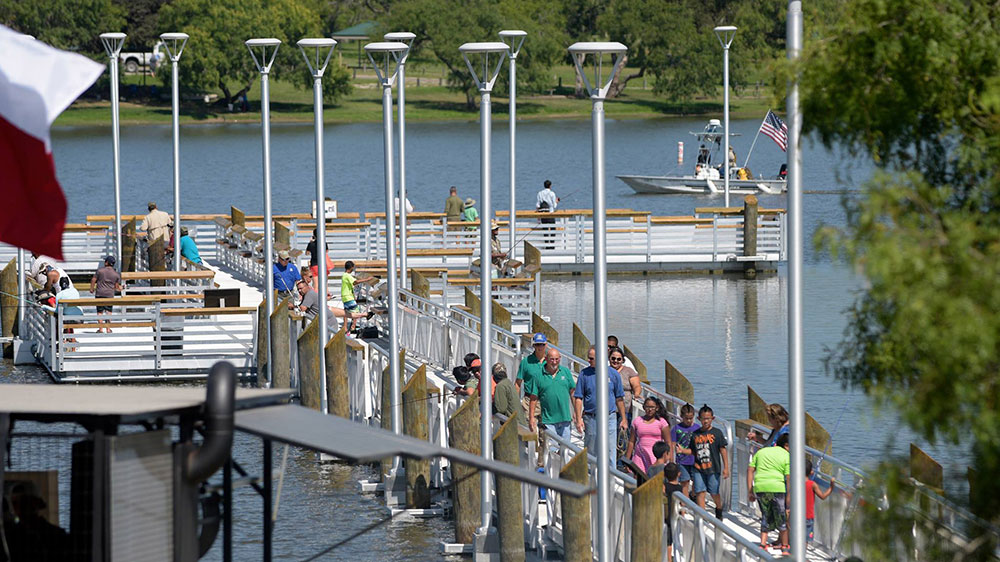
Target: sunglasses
[(616, 360)]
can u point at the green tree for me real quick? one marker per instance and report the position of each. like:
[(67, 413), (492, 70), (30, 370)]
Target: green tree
[(913, 84), (141, 23), (215, 57), (442, 26), (67, 24)]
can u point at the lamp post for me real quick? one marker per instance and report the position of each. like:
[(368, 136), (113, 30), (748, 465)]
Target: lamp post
[(796, 386), (598, 89), (389, 53), (514, 38), (264, 67), (174, 43), (485, 78), (113, 47), (317, 52), (406, 38), (725, 33)]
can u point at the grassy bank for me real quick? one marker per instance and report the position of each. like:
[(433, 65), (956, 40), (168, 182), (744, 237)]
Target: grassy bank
[(427, 101)]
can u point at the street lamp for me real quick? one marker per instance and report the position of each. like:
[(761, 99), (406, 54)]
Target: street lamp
[(406, 38), (389, 53), (725, 33), (514, 38), (598, 89), (485, 79), (113, 47), (796, 386), (317, 53), (264, 67), (174, 43)]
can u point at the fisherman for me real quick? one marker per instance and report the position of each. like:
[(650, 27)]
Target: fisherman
[(498, 256), (188, 247), (38, 270), (104, 284), (546, 202), (704, 157), (309, 304), (453, 206), (286, 274), (156, 224), (347, 282)]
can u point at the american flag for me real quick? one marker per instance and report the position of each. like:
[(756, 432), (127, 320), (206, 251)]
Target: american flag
[(776, 129)]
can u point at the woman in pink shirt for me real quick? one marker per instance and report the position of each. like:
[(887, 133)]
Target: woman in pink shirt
[(647, 429)]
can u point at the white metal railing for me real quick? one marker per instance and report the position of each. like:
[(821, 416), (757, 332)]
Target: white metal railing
[(700, 537), (83, 250)]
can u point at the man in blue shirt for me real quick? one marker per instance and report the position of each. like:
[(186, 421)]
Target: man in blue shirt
[(188, 248), (585, 402), (285, 275)]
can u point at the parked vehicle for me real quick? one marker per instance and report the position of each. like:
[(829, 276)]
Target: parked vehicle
[(133, 61)]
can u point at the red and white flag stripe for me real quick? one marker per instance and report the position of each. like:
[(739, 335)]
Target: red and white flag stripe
[(37, 82)]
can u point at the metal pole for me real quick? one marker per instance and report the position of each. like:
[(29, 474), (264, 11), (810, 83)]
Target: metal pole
[(402, 173), (20, 292), (266, 508), (265, 126), (485, 307), (513, 153), (601, 334), (725, 113), (796, 388), (175, 89), (115, 140), (392, 277), (321, 236)]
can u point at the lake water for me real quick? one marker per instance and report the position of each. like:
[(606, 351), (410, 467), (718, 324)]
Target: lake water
[(724, 333)]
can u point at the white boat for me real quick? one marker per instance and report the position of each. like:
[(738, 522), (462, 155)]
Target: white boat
[(707, 178)]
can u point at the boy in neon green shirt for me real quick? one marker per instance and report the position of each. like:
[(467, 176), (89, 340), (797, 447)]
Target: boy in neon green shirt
[(347, 282)]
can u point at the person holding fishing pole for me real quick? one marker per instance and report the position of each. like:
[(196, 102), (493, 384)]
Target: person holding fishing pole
[(497, 255), (546, 202)]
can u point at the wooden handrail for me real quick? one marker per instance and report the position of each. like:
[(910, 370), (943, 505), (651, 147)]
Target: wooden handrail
[(208, 311), (733, 211), (167, 275), (129, 300), (500, 281)]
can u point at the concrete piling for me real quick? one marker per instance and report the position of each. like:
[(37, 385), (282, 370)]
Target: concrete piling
[(576, 512), (463, 434), (510, 521), (416, 425), (750, 235), (647, 520), (338, 392)]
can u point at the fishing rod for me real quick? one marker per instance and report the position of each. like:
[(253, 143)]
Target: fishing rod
[(525, 235)]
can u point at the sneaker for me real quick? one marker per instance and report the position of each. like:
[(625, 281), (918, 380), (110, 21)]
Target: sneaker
[(786, 550)]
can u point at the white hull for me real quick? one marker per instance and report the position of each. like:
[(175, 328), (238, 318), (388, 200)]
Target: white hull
[(690, 184)]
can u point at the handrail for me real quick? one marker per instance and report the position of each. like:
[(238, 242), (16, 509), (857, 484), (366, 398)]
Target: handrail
[(680, 499)]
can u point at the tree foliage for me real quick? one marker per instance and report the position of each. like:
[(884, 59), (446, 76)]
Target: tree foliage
[(67, 24), (215, 56), (913, 85)]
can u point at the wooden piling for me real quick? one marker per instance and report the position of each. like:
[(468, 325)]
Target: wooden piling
[(416, 425), (647, 520), (310, 388), (265, 326), (128, 246), (501, 316), (8, 304), (463, 434), (676, 384), (757, 406), (750, 235), (385, 413), (419, 285), (538, 324), (581, 345), (640, 367), (338, 396), (926, 470), (510, 523), (237, 217), (532, 258), (576, 512), (282, 236), (157, 260)]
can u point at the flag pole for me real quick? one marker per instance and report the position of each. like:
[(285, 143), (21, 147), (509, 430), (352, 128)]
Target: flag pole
[(754, 143)]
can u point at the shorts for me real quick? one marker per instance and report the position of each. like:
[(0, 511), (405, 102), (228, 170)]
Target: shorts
[(350, 306), (810, 525), (315, 271), (101, 309), (705, 482), (772, 511), (685, 474)]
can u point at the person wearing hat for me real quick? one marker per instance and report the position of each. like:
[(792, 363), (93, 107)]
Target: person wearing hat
[(470, 214), (156, 224), (497, 255), (286, 275), (104, 284), (506, 399), (188, 248), (453, 206), (475, 366), (532, 365)]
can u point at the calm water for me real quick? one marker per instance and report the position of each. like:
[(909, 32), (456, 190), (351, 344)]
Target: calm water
[(722, 332)]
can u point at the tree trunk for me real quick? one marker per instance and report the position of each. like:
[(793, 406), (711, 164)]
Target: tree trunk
[(618, 84)]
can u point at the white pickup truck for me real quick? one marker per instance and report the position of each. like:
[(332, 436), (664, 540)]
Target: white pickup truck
[(133, 61)]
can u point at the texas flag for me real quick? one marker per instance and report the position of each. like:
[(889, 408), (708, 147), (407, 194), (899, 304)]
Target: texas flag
[(37, 82)]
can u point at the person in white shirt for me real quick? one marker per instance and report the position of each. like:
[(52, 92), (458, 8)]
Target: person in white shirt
[(700, 172), (38, 269), (547, 202), (395, 205)]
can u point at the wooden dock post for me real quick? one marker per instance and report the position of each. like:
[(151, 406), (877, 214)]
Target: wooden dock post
[(510, 523), (281, 352), (128, 246), (647, 520), (419, 285), (309, 381), (576, 512), (926, 470), (538, 324), (757, 406), (676, 384), (415, 424), (338, 395), (385, 404), (640, 367), (501, 316), (581, 344), (157, 260), (750, 235), (264, 328), (8, 304), (463, 434)]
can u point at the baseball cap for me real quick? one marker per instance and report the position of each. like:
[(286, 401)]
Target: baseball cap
[(110, 260), (476, 363), (539, 338), (283, 254)]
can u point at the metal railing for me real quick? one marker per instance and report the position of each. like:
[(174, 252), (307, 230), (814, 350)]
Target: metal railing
[(699, 537)]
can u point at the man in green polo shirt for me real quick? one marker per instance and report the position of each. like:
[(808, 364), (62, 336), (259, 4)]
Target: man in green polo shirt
[(533, 365), (554, 390)]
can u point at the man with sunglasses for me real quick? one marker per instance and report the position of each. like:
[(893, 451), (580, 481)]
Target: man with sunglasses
[(585, 399), (553, 389)]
